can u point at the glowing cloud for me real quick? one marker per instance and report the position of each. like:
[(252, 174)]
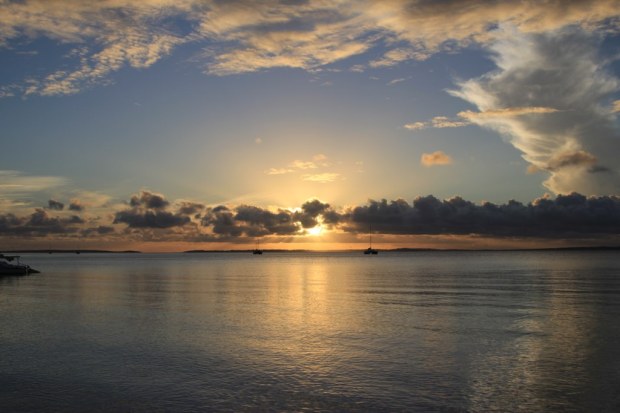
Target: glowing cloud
[(435, 158), (415, 125), (322, 178)]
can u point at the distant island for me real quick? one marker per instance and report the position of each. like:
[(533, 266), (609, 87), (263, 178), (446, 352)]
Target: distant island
[(247, 251), (594, 248), (57, 251)]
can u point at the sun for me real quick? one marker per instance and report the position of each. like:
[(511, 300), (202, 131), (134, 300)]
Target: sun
[(315, 231)]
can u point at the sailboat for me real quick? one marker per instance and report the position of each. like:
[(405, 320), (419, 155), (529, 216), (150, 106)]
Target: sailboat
[(370, 250), (257, 250)]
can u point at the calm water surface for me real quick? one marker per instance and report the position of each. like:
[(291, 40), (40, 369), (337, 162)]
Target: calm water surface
[(432, 331)]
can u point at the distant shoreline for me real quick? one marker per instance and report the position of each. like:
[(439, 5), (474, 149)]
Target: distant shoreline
[(246, 251), (48, 251), (597, 248)]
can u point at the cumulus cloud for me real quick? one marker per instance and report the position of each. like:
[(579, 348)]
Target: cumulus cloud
[(148, 210), (55, 205), (571, 215), (247, 220), (190, 208), (435, 158), (38, 224), (310, 210), (149, 199), (240, 36), (76, 205), (135, 218), (548, 97), (252, 221), (96, 231), (415, 125)]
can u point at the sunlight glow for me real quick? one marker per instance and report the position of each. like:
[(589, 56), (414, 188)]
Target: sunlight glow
[(316, 231)]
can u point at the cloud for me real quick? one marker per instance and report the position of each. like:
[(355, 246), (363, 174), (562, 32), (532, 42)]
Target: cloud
[(444, 122), (148, 210), (149, 219), (149, 200), (435, 158), (97, 231), (76, 205), (395, 81), (315, 33), (571, 159), (310, 210), (571, 215), (279, 171), (320, 157), (247, 220), (415, 125), (322, 178), (253, 221), (319, 160), (241, 36), (548, 98), (504, 113), (616, 106), (297, 164), (396, 56), (190, 208), (15, 182), (468, 117), (55, 205), (120, 34), (38, 224)]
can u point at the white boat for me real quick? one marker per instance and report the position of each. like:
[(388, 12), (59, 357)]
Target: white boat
[(7, 267)]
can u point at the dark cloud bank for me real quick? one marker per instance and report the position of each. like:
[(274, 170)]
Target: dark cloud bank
[(39, 223), (572, 216)]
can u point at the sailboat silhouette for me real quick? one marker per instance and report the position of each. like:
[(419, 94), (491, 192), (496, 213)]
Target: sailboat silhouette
[(257, 250), (370, 250)]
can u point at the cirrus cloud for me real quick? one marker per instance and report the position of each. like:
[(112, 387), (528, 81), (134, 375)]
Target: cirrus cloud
[(240, 36)]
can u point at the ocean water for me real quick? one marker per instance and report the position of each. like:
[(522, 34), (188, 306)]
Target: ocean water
[(422, 331)]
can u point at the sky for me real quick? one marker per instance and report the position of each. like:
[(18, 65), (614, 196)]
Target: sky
[(163, 125)]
